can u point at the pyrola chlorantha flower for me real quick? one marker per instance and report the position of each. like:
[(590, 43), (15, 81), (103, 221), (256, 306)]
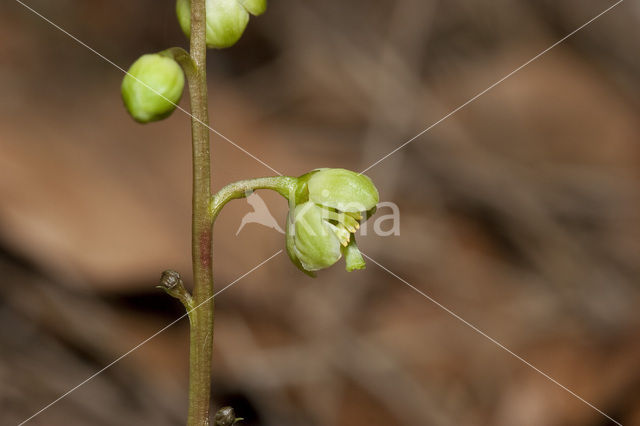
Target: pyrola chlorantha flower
[(328, 208)]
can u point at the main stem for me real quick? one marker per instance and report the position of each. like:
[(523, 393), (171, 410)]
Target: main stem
[(201, 319)]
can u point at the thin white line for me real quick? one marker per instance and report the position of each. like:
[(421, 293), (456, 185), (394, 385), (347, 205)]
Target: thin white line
[(150, 88), (473, 327), (492, 86), (146, 340)]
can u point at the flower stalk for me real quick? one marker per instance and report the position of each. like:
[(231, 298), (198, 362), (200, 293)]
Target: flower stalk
[(284, 185), (200, 319)]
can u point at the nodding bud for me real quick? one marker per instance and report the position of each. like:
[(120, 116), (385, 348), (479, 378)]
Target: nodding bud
[(331, 204), (152, 87), (226, 416), (226, 20)]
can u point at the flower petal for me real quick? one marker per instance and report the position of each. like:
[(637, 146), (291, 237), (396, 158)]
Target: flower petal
[(290, 246), (316, 246), (343, 190)]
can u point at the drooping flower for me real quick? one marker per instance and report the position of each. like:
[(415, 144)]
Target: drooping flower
[(226, 20), (328, 208), (152, 87)]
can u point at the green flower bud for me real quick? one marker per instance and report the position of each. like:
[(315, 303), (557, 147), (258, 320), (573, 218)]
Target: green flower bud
[(331, 205), (152, 87), (226, 19)]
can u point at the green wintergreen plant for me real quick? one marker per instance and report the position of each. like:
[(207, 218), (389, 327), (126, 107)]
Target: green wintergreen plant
[(326, 205)]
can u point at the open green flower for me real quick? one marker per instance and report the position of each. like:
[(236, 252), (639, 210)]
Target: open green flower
[(328, 208), (152, 87), (226, 19)]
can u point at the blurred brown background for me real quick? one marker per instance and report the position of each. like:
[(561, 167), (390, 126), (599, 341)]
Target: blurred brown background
[(521, 213)]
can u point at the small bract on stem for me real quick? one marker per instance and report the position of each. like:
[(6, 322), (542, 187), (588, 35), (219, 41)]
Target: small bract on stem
[(326, 206)]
